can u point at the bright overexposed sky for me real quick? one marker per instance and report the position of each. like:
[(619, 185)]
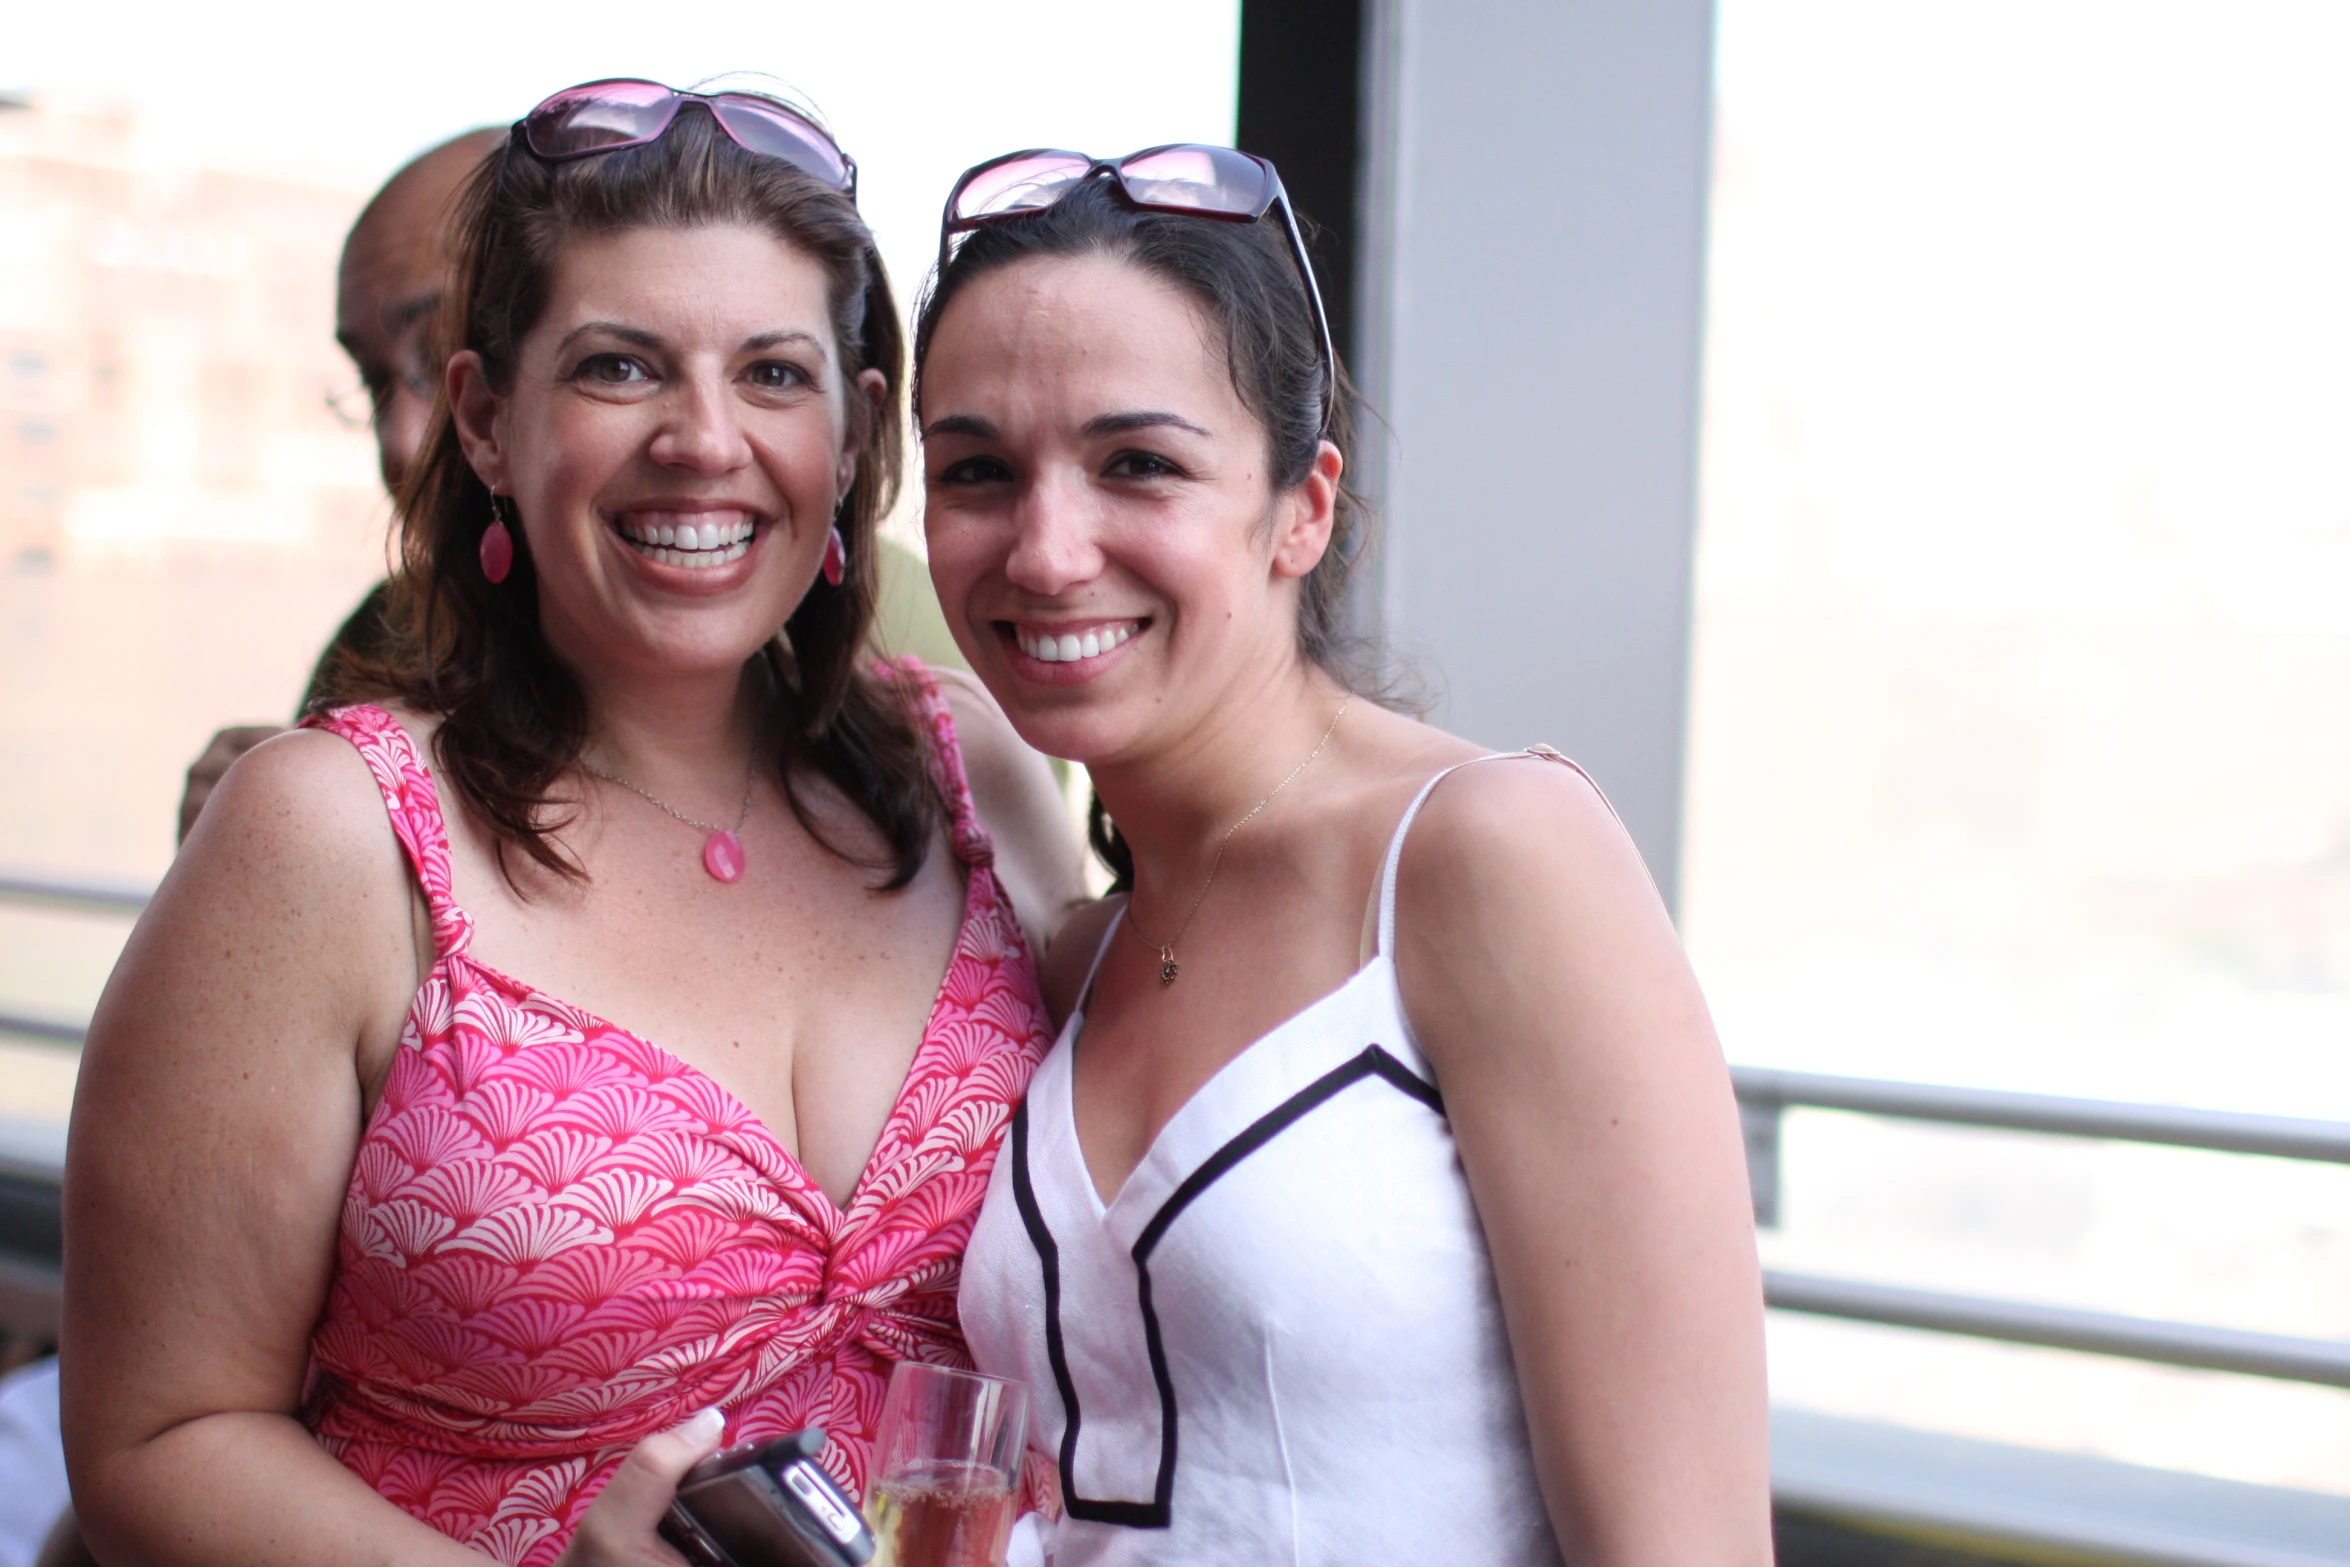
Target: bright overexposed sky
[(916, 89)]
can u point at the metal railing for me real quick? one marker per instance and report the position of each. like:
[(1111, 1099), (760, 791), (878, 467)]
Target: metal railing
[(83, 897), (47, 892), (1763, 1095)]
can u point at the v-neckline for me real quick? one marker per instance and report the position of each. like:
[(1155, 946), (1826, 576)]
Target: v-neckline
[(1103, 1208), (835, 1215)]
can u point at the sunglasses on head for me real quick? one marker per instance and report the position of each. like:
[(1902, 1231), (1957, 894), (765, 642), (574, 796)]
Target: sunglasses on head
[(1189, 178), (594, 117)]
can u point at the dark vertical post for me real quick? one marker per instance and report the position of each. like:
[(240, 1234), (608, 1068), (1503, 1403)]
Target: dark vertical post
[(1301, 106)]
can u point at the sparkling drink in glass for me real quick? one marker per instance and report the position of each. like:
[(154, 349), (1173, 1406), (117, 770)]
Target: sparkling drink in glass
[(946, 1468)]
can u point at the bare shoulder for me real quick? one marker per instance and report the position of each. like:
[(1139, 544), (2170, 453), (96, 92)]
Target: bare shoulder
[(1009, 781), (1063, 968), (1521, 828), (985, 735), (291, 902), (302, 801), (1525, 917), (1019, 801)]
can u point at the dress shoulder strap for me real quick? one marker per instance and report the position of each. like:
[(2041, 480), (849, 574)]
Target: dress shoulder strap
[(1395, 844), (972, 844), (414, 806), (1101, 950)]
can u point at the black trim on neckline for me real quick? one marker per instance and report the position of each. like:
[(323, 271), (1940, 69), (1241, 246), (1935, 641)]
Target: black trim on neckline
[(1158, 1512)]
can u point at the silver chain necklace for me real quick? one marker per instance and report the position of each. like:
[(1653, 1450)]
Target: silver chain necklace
[(722, 851)]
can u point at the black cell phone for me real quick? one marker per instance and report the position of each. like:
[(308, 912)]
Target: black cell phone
[(766, 1504)]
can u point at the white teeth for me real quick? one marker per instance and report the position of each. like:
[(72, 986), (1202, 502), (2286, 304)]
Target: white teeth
[(1068, 648), (690, 544)]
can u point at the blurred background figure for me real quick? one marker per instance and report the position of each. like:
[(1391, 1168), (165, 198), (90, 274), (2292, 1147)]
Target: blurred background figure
[(387, 291)]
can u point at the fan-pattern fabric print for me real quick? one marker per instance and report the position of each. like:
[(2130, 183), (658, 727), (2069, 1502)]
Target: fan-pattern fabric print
[(559, 1238)]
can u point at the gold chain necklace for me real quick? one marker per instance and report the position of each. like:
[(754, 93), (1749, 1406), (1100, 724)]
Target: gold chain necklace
[(1168, 967)]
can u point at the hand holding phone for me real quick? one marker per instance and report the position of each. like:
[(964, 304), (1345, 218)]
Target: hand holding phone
[(766, 1504), (621, 1526)]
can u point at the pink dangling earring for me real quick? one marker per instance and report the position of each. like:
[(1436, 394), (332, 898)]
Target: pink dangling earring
[(836, 559), (497, 545)]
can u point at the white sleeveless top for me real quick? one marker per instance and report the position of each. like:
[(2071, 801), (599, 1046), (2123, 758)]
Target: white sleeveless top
[(1281, 1342)]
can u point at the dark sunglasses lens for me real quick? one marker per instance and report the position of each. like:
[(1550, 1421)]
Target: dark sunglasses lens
[(775, 132), (1197, 179), (1019, 185), (604, 114)]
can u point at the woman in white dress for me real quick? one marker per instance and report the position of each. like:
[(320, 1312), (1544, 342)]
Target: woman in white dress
[(1382, 1199)]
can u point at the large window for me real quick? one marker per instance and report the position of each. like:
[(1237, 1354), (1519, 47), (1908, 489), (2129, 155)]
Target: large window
[(2021, 717)]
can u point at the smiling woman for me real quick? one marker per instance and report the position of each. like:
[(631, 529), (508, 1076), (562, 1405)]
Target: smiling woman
[(454, 1258), (1386, 1155)]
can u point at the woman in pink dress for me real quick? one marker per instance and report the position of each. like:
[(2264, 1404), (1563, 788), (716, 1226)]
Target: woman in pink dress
[(614, 1019)]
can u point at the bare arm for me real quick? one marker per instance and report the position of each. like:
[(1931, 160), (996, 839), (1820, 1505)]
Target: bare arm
[(215, 1124), (1037, 855), (214, 1127), (1599, 1133)]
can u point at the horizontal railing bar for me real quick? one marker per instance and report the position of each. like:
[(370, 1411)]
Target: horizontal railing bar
[(16, 887), (2276, 1355), (47, 1030), (2223, 1131)]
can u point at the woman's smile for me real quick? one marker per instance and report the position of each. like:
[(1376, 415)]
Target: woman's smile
[(688, 541), (692, 538), (1065, 650)]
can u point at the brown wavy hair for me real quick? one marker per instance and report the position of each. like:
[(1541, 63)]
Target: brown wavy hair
[(513, 716)]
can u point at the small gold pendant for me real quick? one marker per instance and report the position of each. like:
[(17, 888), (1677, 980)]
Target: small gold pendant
[(1168, 968)]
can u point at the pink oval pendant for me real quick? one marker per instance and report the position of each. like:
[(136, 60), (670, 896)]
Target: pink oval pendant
[(722, 856)]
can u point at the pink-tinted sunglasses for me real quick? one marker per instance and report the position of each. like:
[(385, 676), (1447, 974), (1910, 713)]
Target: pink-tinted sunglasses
[(1193, 179), (594, 117)]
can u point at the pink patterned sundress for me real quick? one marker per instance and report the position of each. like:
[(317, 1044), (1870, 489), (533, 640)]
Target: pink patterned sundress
[(559, 1238)]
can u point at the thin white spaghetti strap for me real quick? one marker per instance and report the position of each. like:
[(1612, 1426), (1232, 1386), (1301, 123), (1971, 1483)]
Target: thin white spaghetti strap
[(1109, 933), (1395, 853), (1395, 844)]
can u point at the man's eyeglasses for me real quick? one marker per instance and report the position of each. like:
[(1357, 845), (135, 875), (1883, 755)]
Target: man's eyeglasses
[(359, 404), (1190, 178), (606, 116)]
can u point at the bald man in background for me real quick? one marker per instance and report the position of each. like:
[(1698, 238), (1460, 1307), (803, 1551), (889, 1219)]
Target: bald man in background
[(394, 271)]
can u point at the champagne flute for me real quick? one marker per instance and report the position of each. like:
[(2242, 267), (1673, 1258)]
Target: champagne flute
[(946, 1467)]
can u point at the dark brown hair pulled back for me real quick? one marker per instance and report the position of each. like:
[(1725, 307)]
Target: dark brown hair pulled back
[(1245, 281), (513, 716)]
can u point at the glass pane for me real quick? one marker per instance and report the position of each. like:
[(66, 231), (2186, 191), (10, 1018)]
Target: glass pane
[(2020, 748)]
